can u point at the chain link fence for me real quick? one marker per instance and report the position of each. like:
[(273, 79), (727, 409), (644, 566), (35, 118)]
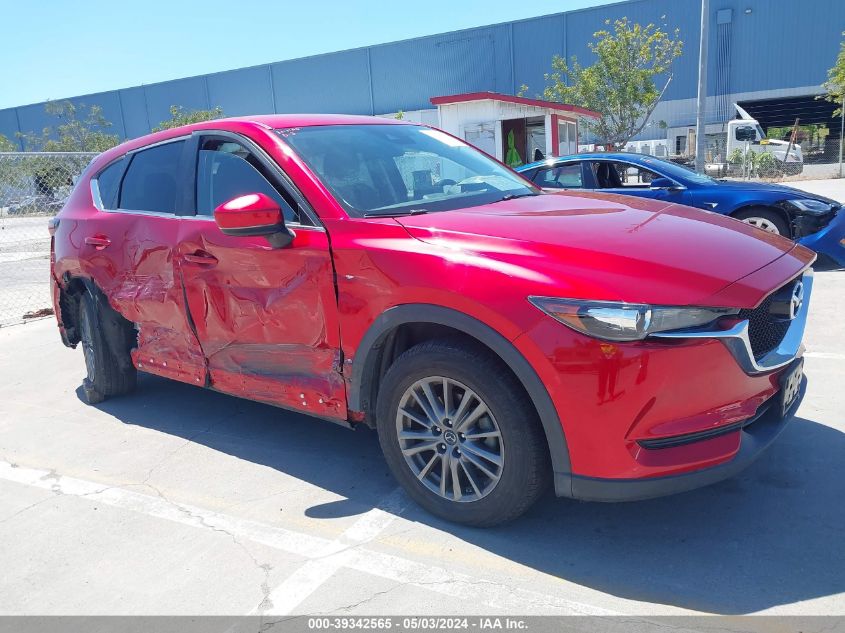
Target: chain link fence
[(33, 188)]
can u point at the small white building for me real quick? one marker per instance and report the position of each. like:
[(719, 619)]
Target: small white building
[(515, 130)]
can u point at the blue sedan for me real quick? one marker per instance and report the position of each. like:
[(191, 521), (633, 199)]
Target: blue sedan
[(812, 220)]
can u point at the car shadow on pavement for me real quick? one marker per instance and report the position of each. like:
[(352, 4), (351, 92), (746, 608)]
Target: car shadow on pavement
[(771, 536)]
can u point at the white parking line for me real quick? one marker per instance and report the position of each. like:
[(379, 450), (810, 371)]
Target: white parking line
[(829, 355), (308, 578), (327, 555)]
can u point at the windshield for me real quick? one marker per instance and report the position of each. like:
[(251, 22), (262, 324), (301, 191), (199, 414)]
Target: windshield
[(402, 169), (674, 170)]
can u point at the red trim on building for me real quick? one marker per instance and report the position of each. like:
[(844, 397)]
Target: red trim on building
[(555, 136), (496, 96)]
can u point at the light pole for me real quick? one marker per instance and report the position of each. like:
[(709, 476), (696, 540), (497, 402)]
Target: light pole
[(700, 131), (841, 133)]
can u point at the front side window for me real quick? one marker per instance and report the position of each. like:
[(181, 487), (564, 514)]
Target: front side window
[(225, 170), (150, 181), (398, 169), (562, 177), (616, 175)]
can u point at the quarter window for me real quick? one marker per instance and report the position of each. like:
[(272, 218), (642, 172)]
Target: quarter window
[(226, 170), (150, 181), (108, 183)]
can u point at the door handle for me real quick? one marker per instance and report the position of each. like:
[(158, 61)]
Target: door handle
[(97, 241), (204, 259)]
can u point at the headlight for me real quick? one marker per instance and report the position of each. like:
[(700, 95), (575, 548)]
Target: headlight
[(810, 206), (617, 321)]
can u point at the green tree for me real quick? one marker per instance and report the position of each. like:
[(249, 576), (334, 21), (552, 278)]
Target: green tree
[(755, 164), (178, 116), (835, 84), (7, 146), (620, 85), (78, 128)]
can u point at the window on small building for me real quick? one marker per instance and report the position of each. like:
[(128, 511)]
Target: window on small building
[(567, 138)]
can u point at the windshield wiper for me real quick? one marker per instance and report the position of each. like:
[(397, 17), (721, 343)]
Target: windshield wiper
[(511, 196), (396, 214)]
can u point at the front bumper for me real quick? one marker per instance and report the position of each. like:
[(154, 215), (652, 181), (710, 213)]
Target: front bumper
[(830, 241), (753, 440), (665, 414)]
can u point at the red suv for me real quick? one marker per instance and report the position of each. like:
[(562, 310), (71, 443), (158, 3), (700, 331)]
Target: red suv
[(375, 272)]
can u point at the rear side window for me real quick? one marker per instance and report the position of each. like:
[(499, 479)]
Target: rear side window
[(225, 170), (108, 183), (563, 177), (150, 181)]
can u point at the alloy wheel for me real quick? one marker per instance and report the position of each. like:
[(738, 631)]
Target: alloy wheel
[(450, 439), (762, 223)]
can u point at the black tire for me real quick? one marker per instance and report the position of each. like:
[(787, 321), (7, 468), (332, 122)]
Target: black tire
[(525, 469), (767, 214), (106, 343)]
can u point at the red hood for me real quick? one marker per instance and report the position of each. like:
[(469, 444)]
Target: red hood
[(599, 246)]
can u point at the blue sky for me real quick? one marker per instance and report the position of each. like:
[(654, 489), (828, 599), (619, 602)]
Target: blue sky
[(57, 48)]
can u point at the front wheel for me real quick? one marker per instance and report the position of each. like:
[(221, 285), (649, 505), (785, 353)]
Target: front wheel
[(460, 434), (766, 219)]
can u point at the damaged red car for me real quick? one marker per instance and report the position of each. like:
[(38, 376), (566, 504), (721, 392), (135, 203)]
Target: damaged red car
[(380, 273)]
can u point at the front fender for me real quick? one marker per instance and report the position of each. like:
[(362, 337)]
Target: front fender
[(364, 365)]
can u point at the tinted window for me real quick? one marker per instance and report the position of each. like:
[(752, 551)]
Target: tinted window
[(563, 177), (150, 181), (226, 170), (108, 183)]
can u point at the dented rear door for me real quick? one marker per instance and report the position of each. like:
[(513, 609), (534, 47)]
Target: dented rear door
[(128, 250), (266, 318)]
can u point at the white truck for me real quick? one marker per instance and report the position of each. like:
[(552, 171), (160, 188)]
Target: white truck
[(723, 139)]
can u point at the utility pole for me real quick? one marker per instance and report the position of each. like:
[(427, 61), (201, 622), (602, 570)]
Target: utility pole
[(700, 134), (841, 133)]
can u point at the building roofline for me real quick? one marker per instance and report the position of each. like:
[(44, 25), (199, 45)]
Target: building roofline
[(497, 96)]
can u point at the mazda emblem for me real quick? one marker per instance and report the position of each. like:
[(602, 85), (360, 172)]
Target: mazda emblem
[(796, 299)]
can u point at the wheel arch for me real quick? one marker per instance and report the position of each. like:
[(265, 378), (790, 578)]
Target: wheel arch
[(748, 206), (71, 291), (368, 366)]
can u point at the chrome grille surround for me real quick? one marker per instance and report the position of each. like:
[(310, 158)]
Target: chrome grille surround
[(738, 339)]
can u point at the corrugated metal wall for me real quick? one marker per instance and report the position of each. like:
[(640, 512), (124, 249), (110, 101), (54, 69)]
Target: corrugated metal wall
[(779, 45)]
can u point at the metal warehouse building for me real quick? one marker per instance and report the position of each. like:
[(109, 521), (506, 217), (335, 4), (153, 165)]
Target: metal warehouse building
[(771, 56)]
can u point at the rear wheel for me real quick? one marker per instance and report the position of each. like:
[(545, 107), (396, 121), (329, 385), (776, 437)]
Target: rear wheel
[(460, 435), (766, 219), (106, 341)]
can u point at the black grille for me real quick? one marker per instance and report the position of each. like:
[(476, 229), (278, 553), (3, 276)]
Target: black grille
[(765, 330)]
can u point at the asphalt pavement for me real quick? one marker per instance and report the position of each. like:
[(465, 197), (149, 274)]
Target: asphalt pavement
[(179, 500)]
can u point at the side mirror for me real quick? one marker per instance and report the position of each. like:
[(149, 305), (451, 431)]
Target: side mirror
[(254, 214), (664, 183)]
